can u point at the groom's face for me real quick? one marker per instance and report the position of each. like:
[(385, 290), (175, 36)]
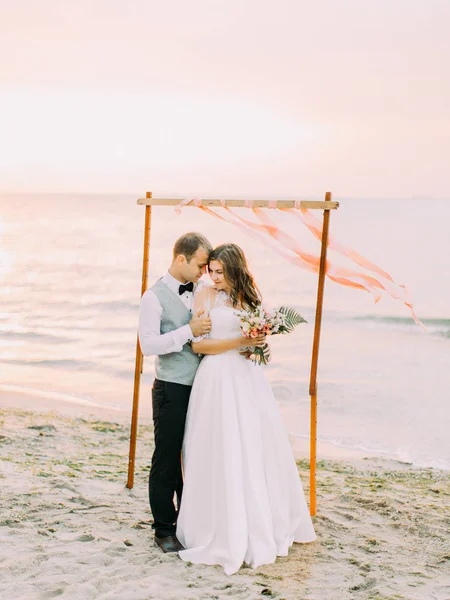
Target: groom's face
[(196, 267)]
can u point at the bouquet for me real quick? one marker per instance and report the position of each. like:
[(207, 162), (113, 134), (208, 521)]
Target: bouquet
[(253, 323)]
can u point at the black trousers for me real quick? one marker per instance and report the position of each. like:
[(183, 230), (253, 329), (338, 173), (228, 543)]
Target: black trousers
[(170, 403)]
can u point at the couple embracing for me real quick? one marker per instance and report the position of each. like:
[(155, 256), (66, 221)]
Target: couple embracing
[(220, 445)]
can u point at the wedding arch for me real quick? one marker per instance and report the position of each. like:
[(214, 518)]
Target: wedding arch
[(327, 206), (365, 276)]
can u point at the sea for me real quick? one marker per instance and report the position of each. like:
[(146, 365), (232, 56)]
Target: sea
[(70, 285)]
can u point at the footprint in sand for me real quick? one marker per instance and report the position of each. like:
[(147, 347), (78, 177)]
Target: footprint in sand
[(86, 537)]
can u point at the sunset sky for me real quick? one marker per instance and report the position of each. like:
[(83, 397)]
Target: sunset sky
[(226, 97)]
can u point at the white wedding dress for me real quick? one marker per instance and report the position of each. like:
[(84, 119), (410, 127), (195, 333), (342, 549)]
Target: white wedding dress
[(243, 500)]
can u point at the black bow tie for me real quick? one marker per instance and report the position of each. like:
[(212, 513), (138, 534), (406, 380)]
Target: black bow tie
[(188, 287)]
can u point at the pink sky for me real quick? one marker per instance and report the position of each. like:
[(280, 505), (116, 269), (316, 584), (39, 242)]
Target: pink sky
[(236, 97)]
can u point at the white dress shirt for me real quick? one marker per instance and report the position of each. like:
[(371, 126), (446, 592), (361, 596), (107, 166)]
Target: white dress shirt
[(150, 338)]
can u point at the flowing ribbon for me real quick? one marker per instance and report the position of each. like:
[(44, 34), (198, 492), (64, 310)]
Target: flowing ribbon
[(343, 276), (299, 257), (195, 201), (286, 245), (346, 276), (315, 226), (397, 291)]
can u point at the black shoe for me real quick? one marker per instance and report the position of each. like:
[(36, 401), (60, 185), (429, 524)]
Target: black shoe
[(169, 543)]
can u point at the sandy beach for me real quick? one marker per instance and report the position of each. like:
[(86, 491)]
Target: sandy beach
[(70, 528)]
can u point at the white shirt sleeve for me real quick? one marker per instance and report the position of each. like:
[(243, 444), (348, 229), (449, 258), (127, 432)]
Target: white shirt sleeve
[(149, 329)]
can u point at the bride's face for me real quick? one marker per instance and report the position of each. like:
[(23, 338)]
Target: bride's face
[(216, 273)]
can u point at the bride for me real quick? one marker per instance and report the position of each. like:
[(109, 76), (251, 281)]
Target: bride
[(243, 500)]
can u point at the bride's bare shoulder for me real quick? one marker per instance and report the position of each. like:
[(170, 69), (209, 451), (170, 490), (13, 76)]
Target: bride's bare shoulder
[(203, 290), (204, 297)]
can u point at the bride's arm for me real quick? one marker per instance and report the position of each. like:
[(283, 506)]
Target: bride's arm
[(211, 346)]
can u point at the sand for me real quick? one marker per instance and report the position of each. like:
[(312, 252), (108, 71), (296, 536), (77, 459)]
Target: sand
[(70, 528)]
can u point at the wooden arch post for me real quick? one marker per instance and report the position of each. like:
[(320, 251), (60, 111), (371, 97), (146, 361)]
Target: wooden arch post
[(139, 362), (315, 361), (326, 206)]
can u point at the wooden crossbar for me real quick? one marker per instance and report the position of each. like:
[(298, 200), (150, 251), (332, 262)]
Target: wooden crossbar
[(312, 204)]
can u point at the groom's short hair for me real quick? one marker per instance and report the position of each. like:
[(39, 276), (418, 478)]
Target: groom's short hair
[(189, 243)]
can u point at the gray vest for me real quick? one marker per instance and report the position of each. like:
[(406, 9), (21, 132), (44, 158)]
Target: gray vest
[(176, 367)]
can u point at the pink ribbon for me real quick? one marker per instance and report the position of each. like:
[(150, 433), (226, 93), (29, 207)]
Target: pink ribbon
[(195, 201), (315, 226), (346, 276), (286, 245)]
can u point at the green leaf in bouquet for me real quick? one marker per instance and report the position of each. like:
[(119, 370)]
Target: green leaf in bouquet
[(262, 355), (293, 318), (267, 355)]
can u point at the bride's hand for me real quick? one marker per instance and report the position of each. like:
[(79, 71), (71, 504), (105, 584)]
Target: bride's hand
[(246, 353), (258, 341)]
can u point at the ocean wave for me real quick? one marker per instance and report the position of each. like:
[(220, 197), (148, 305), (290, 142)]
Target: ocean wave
[(76, 365), (50, 324), (58, 363), (62, 397), (113, 305), (56, 306), (400, 455), (440, 327), (34, 335)]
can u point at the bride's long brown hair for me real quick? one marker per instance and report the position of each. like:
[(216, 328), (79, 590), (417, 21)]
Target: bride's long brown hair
[(244, 290)]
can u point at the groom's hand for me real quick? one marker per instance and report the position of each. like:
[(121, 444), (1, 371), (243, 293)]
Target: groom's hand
[(200, 325)]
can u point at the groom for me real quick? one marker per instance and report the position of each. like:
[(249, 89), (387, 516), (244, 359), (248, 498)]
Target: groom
[(166, 326)]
